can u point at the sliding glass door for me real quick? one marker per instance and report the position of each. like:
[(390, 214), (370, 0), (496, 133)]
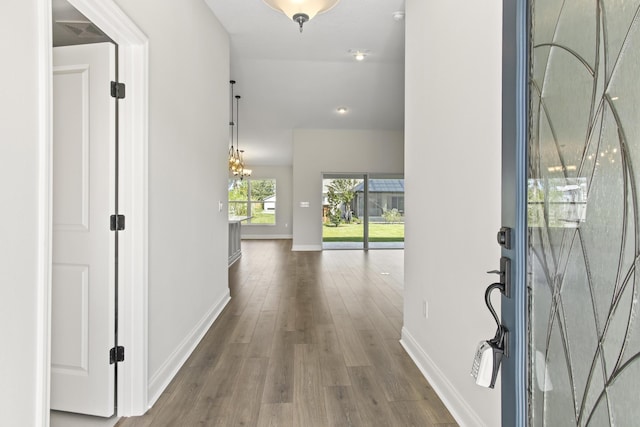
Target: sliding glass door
[(362, 211), (342, 225), (385, 218)]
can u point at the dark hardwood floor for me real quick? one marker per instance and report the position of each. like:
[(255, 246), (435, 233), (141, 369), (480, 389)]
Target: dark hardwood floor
[(308, 339)]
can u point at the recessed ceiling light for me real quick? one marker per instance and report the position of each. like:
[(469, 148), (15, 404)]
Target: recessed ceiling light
[(398, 15), (359, 54), (342, 110)]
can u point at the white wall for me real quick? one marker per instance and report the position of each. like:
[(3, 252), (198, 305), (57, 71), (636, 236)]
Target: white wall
[(284, 216), (340, 151), (188, 135), (452, 175), (23, 255), (189, 51)]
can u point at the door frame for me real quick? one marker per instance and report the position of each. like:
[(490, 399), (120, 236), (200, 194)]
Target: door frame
[(133, 46), (515, 119)]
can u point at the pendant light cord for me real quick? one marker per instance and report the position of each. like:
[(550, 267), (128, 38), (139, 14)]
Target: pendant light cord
[(231, 123), (237, 122)]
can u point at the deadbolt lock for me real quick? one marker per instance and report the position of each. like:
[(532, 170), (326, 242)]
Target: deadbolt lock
[(504, 237)]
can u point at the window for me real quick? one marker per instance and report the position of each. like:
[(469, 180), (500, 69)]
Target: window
[(255, 198)]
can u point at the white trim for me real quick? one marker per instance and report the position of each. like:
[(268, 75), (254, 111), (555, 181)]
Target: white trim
[(309, 248), (267, 237), (233, 258), (133, 47), (43, 291), (161, 379), (455, 403)]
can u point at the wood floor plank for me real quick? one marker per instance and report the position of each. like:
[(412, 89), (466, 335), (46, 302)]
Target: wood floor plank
[(411, 371), (370, 400), (321, 311), (341, 407), (385, 326), (286, 319), (213, 406), (334, 370), (262, 338), (304, 320), (354, 353), (420, 413), (356, 310), (243, 331), (276, 415), (247, 396), (336, 305), (239, 301), (279, 384), (274, 294), (308, 395), (390, 375), (182, 400), (326, 340), (209, 351)]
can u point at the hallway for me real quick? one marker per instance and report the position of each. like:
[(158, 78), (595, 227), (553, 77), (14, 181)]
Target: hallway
[(308, 339)]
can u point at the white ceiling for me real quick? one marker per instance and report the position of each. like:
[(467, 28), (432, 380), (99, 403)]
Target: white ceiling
[(291, 80)]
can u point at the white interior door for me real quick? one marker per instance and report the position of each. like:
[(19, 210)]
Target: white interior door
[(83, 300)]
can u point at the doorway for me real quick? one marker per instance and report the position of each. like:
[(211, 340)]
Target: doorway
[(133, 69), (362, 211)]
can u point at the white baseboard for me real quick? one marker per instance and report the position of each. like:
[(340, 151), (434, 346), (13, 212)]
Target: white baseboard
[(306, 248), (233, 258), (455, 403), (161, 379), (267, 236)]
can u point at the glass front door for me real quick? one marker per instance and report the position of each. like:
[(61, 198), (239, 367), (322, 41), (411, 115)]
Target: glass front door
[(583, 213)]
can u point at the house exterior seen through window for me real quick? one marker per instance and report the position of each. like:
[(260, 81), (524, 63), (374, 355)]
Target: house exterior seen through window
[(255, 198)]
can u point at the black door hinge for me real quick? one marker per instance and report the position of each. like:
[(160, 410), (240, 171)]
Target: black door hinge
[(117, 90), (116, 354), (117, 222)]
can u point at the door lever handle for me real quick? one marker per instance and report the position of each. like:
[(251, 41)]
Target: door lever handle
[(500, 340), (487, 300), (505, 275)]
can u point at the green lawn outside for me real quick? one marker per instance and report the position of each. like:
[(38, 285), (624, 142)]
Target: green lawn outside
[(378, 232), (263, 218)]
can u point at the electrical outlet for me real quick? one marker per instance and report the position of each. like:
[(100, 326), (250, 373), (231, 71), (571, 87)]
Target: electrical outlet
[(425, 309)]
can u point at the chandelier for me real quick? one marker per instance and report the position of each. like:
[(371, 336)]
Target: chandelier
[(301, 11), (236, 155)]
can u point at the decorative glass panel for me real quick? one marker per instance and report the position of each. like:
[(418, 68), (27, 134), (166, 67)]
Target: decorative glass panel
[(583, 211)]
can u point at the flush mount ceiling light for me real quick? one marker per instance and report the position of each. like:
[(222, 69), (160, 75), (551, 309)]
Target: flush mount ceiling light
[(301, 11), (342, 110)]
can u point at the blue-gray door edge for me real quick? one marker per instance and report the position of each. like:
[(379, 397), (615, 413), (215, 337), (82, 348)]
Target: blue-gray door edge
[(515, 108)]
